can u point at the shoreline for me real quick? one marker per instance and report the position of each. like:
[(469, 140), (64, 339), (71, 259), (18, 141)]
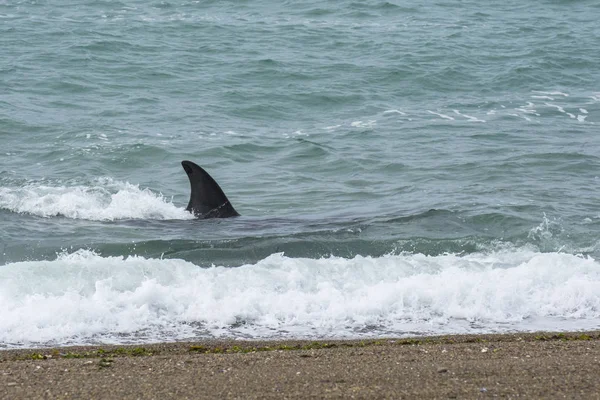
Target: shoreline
[(541, 364)]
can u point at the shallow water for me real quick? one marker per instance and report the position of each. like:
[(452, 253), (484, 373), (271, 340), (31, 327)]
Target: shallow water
[(399, 170)]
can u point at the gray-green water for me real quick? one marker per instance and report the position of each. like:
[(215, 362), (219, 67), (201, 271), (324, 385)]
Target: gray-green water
[(337, 129)]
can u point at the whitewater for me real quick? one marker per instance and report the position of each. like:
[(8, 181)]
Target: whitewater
[(83, 298)]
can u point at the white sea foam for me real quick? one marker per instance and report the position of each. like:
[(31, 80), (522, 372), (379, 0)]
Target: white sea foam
[(441, 115), (363, 124), (559, 108), (529, 109), (469, 117), (106, 199), (388, 112), (84, 297), (554, 93)]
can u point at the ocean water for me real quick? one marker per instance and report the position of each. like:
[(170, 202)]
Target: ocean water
[(401, 169)]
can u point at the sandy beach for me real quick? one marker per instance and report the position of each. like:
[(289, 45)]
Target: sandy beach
[(536, 365)]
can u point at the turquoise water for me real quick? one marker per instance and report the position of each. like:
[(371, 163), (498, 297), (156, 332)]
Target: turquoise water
[(347, 134)]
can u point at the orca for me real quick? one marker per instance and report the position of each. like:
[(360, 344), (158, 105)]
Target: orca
[(207, 199)]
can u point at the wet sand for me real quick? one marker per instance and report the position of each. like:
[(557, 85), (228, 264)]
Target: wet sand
[(538, 365)]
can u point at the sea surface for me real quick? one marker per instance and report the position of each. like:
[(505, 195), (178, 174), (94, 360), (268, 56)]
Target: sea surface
[(401, 168)]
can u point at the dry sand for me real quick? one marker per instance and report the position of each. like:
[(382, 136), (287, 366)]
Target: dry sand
[(541, 365)]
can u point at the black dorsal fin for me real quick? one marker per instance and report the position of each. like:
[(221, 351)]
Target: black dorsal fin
[(207, 200)]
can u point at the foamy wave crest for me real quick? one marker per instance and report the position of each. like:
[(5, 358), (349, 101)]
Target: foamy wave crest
[(106, 200), (84, 297)]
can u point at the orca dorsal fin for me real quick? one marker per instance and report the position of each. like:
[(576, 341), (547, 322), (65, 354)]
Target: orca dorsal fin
[(207, 200)]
